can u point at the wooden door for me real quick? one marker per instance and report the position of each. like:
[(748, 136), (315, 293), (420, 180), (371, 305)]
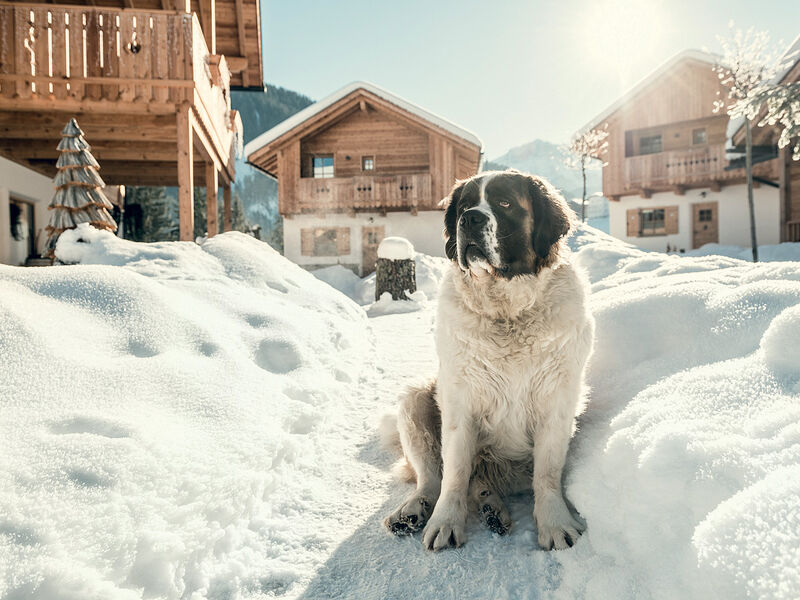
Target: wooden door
[(705, 224), (371, 237)]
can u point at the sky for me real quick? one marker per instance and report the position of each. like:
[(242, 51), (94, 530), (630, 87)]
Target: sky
[(510, 71)]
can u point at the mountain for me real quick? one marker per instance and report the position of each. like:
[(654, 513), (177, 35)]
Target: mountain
[(548, 160), (258, 193)]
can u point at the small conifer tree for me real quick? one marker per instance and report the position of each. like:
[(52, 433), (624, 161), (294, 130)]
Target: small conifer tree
[(79, 196)]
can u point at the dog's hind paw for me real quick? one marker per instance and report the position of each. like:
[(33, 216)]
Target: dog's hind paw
[(410, 516)]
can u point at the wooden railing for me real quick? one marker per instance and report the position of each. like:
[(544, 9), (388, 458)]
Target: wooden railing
[(56, 53), (390, 192), (676, 167), (95, 53), (792, 231)]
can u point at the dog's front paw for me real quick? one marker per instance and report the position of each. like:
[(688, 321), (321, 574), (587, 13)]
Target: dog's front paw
[(444, 530), (557, 529), (410, 516)]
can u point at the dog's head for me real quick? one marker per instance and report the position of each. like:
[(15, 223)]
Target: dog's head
[(504, 223)]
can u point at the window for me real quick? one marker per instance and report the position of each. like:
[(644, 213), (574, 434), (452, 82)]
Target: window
[(650, 144), (652, 222), (323, 166), (367, 163), (704, 215), (325, 241), (698, 136)]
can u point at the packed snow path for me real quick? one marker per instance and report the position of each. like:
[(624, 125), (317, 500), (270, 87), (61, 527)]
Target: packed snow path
[(186, 421)]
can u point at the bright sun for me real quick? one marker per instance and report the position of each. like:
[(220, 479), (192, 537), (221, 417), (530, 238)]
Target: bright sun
[(616, 36)]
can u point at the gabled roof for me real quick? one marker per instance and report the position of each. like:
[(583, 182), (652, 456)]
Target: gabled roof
[(698, 55), (309, 112)]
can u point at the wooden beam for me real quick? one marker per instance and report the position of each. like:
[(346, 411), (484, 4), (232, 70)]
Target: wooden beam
[(236, 64), (21, 148), (645, 193), (716, 186), (679, 190), (227, 222), (240, 27), (186, 173), (208, 18), (362, 105), (212, 184)]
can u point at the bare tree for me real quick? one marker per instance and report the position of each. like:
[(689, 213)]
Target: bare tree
[(775, 104), (747, 64), (584, 148)]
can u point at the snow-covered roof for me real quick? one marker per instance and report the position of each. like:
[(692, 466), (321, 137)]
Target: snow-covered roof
[(700, 55), (310, 111), (790, 58)]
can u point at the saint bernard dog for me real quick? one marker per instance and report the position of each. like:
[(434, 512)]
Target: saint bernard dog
[(513, 335)]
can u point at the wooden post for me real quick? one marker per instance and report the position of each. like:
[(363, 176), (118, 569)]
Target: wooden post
[(226, 196), (185, 174), (208, 18), (212, 218)]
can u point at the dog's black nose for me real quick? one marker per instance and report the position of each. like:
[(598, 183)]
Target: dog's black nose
[(474, 218)]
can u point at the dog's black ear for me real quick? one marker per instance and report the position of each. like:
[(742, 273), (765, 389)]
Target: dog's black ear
[(451, 219), (552, 217)]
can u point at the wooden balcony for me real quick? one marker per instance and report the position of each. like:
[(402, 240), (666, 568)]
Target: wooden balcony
[(153, 102), (683, 169), (364, 193)]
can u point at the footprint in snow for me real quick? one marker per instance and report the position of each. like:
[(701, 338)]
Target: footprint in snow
[(277, 356), (90, 425)]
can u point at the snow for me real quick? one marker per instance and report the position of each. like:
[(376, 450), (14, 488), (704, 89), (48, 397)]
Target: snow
[(184, 421), (767, 253), (429, 272), (396, 248)]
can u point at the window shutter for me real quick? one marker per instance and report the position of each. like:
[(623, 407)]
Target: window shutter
[(307, 242), (671, 219), (632, 219), (343, 241)]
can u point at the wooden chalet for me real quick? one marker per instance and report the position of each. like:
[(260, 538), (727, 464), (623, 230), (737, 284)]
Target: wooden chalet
[(147, 80), (666, 170), (357, 166)]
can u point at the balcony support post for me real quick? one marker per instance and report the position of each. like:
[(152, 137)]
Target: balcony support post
[(185, 173), (212, 185), (227, 223)]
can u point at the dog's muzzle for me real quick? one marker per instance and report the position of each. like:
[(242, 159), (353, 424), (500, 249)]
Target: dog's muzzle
[(471, 238)]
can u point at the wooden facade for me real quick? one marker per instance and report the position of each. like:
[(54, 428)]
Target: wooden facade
[(665, 136), (413, 161), (147, 80)]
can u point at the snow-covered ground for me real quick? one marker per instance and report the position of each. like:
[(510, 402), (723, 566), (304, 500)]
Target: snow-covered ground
[(183, 421)]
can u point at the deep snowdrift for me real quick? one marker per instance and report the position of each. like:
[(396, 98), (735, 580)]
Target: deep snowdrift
[(200, 422), (161, 417), (685, 467)]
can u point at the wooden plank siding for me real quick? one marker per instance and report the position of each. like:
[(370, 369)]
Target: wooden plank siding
[(680, 101), (415, 163), (125, 73)]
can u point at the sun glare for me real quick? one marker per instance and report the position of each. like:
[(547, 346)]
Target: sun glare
[(616, 36)]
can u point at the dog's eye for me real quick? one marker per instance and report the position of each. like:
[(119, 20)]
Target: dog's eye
[(504, 203)]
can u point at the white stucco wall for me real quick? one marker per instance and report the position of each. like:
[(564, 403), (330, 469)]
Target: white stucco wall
[(734, 219), (423, 230), (18, 182)]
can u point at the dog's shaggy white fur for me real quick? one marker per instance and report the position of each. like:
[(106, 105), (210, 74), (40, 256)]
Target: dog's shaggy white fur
[(512, 354)]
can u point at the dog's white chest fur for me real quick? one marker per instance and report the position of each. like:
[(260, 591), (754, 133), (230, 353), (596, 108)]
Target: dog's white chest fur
[(509, 360)]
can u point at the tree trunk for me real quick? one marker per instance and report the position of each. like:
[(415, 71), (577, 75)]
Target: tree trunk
[(395, 277), (748, 158), (583, 202)]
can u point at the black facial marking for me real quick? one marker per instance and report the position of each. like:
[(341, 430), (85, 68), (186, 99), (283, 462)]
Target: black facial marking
[(528, 214)]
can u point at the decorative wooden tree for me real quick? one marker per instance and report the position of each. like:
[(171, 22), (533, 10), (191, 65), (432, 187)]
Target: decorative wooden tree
[(79, 195), (395, 270)]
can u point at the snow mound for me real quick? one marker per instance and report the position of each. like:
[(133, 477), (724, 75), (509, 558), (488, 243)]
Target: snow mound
[(681, 460), (780, 344), (395, 248), (162, 418), (769, 253)]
